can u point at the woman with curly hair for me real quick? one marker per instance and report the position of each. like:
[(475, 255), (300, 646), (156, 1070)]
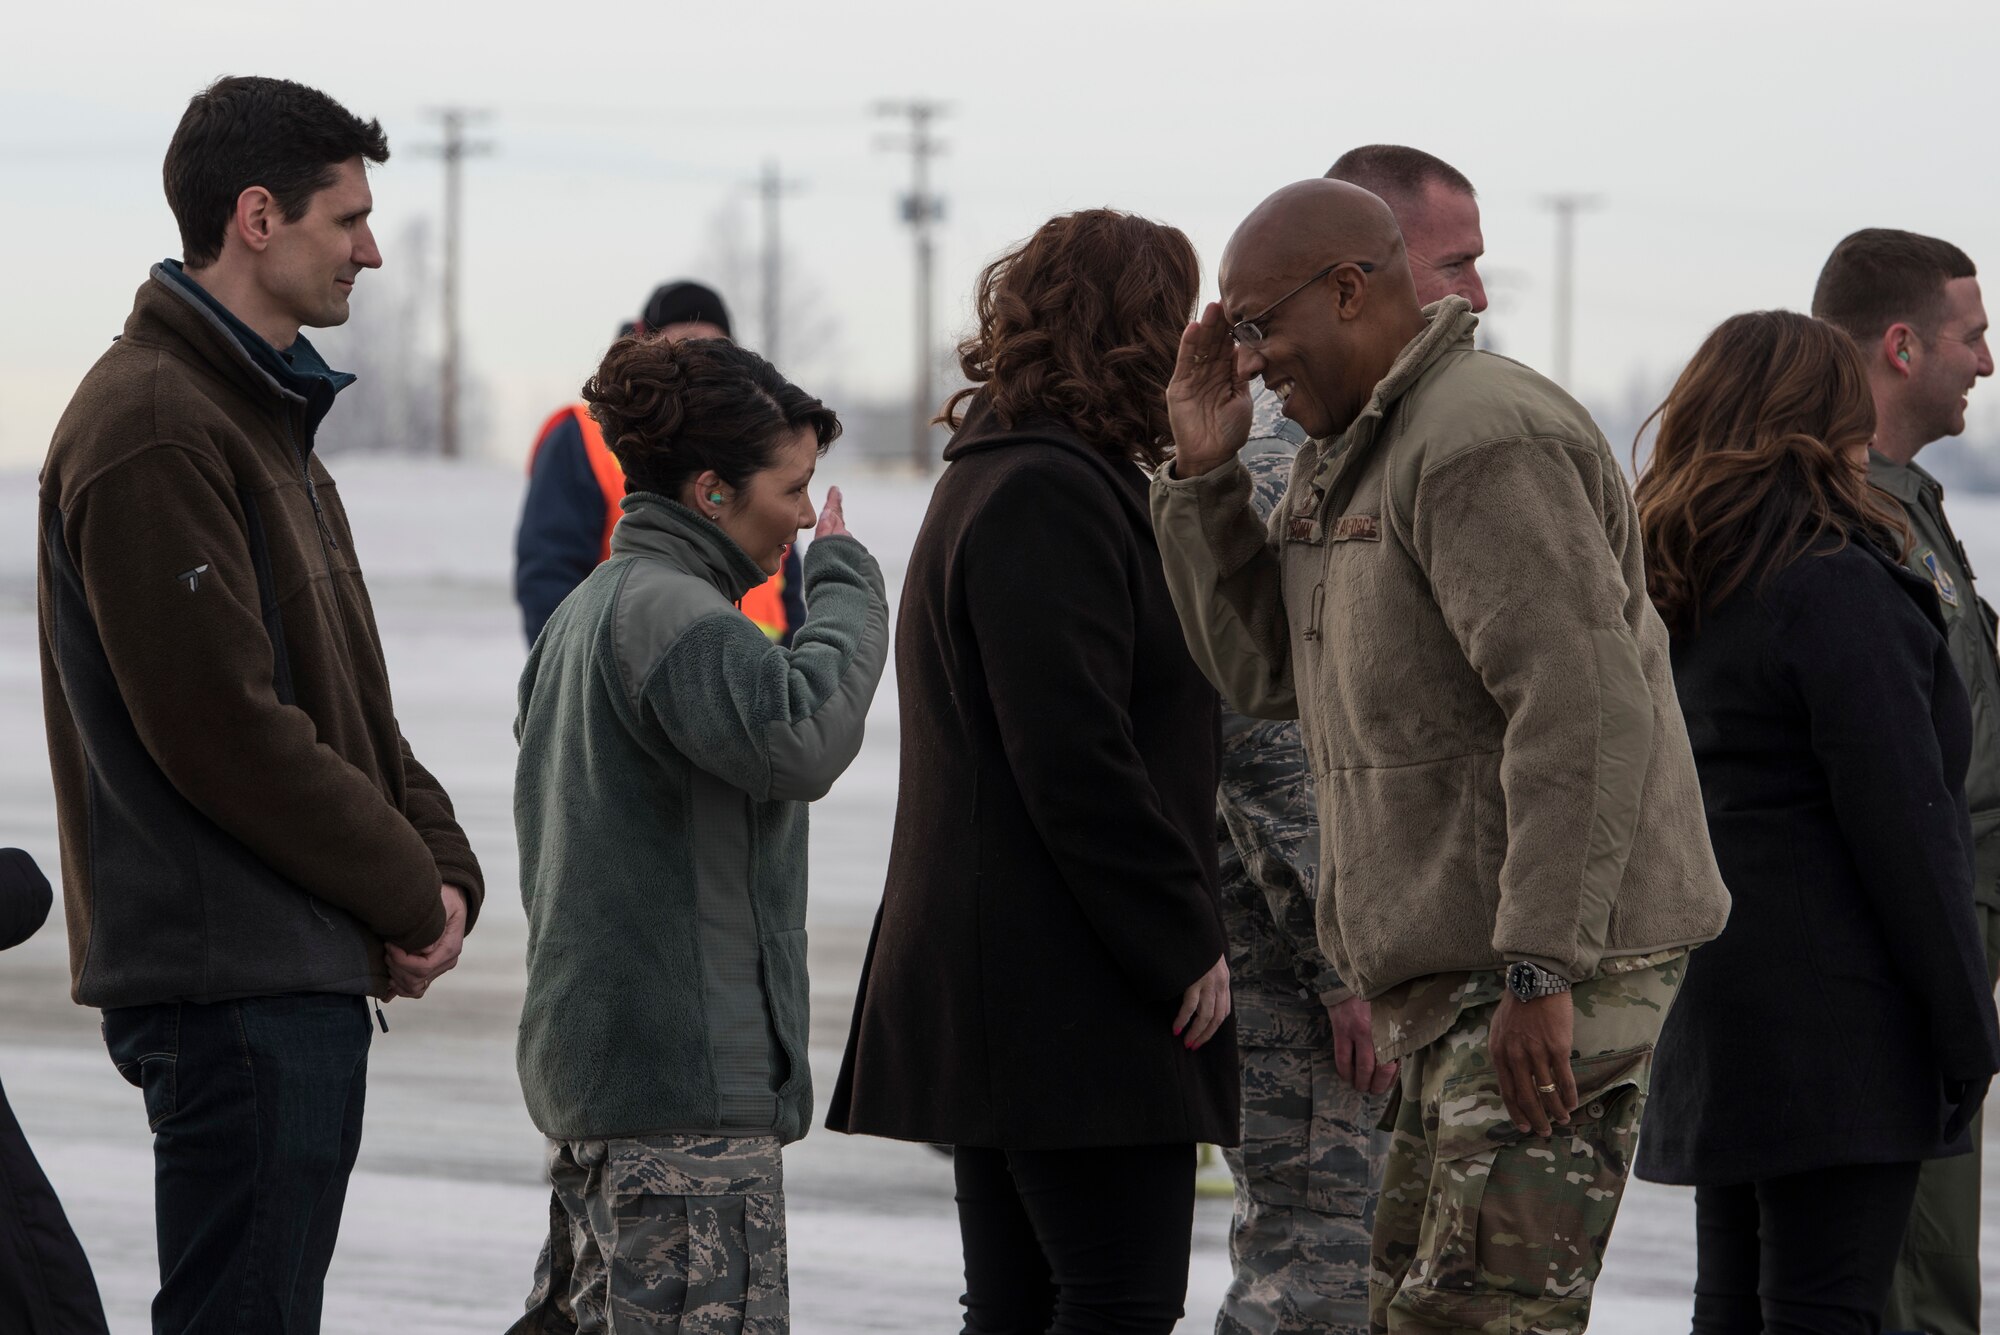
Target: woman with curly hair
[(668, 751), (1840, 1030), (1045, 989)]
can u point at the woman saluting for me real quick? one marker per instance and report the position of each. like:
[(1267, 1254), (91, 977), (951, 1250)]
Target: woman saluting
[(668, 750)]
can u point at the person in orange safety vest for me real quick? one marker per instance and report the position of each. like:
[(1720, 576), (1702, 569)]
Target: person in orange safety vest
[(575, 486)]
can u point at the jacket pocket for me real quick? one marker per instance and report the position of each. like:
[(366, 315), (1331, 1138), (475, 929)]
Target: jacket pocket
[(1489, 825), (787, 991), (1404, 847)]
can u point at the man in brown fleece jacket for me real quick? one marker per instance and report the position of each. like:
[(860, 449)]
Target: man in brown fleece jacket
[(249, 848), (1451, 598)]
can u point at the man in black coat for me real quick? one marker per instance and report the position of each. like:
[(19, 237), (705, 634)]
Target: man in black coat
[(46, 1287)]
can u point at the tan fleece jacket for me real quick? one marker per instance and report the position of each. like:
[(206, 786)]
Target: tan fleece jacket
[(1452, 600)]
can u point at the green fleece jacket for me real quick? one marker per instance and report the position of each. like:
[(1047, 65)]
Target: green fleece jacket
[(1452, 600), (668, 750)]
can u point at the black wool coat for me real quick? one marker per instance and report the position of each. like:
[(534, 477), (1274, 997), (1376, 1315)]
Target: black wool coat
[(1051, 889), (1832, 735), (46, 1287)]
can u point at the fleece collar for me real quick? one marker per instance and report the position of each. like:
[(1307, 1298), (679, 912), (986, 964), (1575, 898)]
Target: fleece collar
[(668, 531), (298, 373), (1448, 326)]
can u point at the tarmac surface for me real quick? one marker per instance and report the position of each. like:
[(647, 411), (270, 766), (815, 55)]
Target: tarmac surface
[(447, 1209)]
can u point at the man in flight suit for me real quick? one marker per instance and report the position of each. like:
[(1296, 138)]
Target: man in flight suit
[(1912, 303)]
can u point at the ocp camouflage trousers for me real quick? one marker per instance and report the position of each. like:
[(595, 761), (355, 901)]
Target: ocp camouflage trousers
[(682, 1234), (1482, 1227), (1306, 1177)]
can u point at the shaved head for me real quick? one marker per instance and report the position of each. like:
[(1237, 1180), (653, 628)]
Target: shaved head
[(1306, 225), (1321, 270)]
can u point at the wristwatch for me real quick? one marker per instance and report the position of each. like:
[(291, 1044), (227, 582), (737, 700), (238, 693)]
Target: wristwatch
[(1528, 981)]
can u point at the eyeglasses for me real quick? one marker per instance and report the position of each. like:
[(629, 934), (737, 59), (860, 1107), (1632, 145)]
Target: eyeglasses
[(1251, 333)]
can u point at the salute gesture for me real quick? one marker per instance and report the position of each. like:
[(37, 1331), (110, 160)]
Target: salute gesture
[(832, 520), (1208, 407)]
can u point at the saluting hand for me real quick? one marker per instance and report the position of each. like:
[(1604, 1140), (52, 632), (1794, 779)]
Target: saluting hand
[(1208, 408), (832, 522)]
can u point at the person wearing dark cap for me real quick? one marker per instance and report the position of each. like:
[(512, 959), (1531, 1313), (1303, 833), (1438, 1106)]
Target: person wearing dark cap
[(576, 488), (46, 1287)]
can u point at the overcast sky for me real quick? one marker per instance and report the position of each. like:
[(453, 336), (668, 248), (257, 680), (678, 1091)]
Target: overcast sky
[(1732, 144)]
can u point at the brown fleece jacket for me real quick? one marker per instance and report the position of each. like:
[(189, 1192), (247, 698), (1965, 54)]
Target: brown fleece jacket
[(1452, 599), (239, 812)]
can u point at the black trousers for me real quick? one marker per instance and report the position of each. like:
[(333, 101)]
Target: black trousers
[(1075, 1242), (255, 1107), (1807, 1254)]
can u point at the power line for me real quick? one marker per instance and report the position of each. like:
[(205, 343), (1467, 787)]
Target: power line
[(715, 119), (1566, 207), (454, 150), (921, 210), (771, 189)]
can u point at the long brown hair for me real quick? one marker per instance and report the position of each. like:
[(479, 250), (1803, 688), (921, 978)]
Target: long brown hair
[(1755, 466), (1082, 322)]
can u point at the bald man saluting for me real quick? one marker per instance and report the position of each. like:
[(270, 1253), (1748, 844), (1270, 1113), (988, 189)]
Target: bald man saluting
[(1451, 599)]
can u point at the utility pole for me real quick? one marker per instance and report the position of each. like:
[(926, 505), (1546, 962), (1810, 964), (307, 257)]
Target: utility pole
[(454, 150), (770, 189), (921, 210), (1566, 207)]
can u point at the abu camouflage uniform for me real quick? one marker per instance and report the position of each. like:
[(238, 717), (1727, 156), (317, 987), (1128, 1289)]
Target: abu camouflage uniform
[(1484, 1227), (1311, 1159), (682, 1234)]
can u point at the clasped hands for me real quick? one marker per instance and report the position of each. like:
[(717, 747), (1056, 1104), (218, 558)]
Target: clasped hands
[(411, 972)]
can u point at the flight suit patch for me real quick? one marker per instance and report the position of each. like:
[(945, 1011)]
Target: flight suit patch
[(1947, 590)]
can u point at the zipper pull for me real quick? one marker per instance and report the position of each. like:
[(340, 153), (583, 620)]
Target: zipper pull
[(319, 513), (380, 1018)]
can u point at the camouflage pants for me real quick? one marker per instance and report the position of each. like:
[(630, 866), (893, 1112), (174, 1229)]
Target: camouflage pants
[(1485, 1228), (682, 1234), (1305, 1198)]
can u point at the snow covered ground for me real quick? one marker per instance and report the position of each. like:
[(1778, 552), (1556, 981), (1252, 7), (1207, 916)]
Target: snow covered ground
[(446, 1211)]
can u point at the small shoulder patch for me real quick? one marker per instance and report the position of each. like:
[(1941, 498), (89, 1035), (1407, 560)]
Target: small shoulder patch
[(1941, 580), (192, 578)]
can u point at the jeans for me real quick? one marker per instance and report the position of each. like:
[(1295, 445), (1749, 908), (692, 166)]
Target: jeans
[(255, 1107), (1804, 1254), (1075, 1242)]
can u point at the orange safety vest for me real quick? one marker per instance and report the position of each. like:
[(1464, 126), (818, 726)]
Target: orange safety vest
[(764, 604)]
